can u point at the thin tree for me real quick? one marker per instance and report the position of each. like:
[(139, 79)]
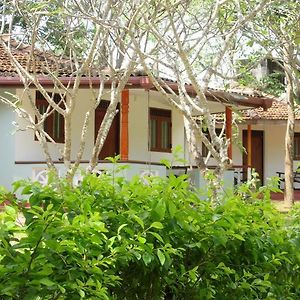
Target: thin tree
[(85, 50), (278, 34), (191, 44)]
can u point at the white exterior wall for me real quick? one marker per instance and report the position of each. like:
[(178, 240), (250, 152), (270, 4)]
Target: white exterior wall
[(33, 149), (38, 171), (274, 135), (139, 103), (27, 149), (7, 142)]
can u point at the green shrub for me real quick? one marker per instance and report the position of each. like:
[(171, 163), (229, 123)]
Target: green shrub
[(112, 239)]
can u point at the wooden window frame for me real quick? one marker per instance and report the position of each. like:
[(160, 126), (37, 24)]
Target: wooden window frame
[(50, 122), (296, 146), (160, 115)]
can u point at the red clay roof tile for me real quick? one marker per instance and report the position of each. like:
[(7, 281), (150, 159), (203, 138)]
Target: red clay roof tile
[(278, 111), (40, 63)]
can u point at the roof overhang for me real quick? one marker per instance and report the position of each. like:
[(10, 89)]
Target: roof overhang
[(143, 82), (268, 122)]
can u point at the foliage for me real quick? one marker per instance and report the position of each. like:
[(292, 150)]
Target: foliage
[(55, 30), (112, 239), (189, 42), (269, 84)]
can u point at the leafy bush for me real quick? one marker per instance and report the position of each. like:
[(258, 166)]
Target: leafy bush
[(112, 239)]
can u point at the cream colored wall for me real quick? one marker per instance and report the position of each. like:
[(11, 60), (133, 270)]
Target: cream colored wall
[(7, 141), (27, 149), (139, 104), (274, 135)]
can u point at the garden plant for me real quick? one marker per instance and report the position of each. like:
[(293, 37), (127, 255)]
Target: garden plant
[(108, 238)]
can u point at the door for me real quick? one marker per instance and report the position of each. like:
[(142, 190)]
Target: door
[(257, 151), (111, 145)]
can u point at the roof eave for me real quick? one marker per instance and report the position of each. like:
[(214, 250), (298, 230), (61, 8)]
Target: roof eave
[(143, 82)]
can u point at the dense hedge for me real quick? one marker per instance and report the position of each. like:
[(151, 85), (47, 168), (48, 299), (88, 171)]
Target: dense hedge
[(110, 239)]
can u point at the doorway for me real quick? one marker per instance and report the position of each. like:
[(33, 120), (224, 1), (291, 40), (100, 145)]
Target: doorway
[(111, 145), (257, 150)]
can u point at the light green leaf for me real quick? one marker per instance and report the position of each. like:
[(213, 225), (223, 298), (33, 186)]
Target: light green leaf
[(172, 208), (62, 289), (238, 236), (147, 258), (142, 240), (10, 210), (139, 220), (161, 257), (166, 162), (157, 225), (157, 236), (46, 281), (81, 293), (120, 228), (137, 255)]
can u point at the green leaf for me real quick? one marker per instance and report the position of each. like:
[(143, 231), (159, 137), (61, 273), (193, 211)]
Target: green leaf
[(141, 240), (120, 228), (220, 239), (172, 208), (160, 209), (250, 43), (238, 236), (193, 274), (161, 257), (157, 225), (47, 270), (157, 236), (166, 162), (62, 289), (147, 257), (10, 210), (137, 255), (81, 293), (46, 281), (138, 220)]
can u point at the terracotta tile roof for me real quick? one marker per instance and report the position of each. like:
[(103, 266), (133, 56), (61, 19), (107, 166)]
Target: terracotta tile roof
[(237, 91), (245, 91), (278, 111), (43, 61)]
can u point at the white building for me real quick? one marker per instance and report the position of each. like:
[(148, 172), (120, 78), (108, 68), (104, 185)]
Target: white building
[(141, 107), (265, 131)]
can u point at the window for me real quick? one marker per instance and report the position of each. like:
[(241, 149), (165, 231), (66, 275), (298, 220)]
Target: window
[(160, 130), (204, 148), (297, 146), (54, 123)]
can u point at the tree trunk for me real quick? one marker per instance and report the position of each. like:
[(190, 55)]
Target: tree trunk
[(212, 178), (103, 131), (68, 143), (289, 149), (195, 148)]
